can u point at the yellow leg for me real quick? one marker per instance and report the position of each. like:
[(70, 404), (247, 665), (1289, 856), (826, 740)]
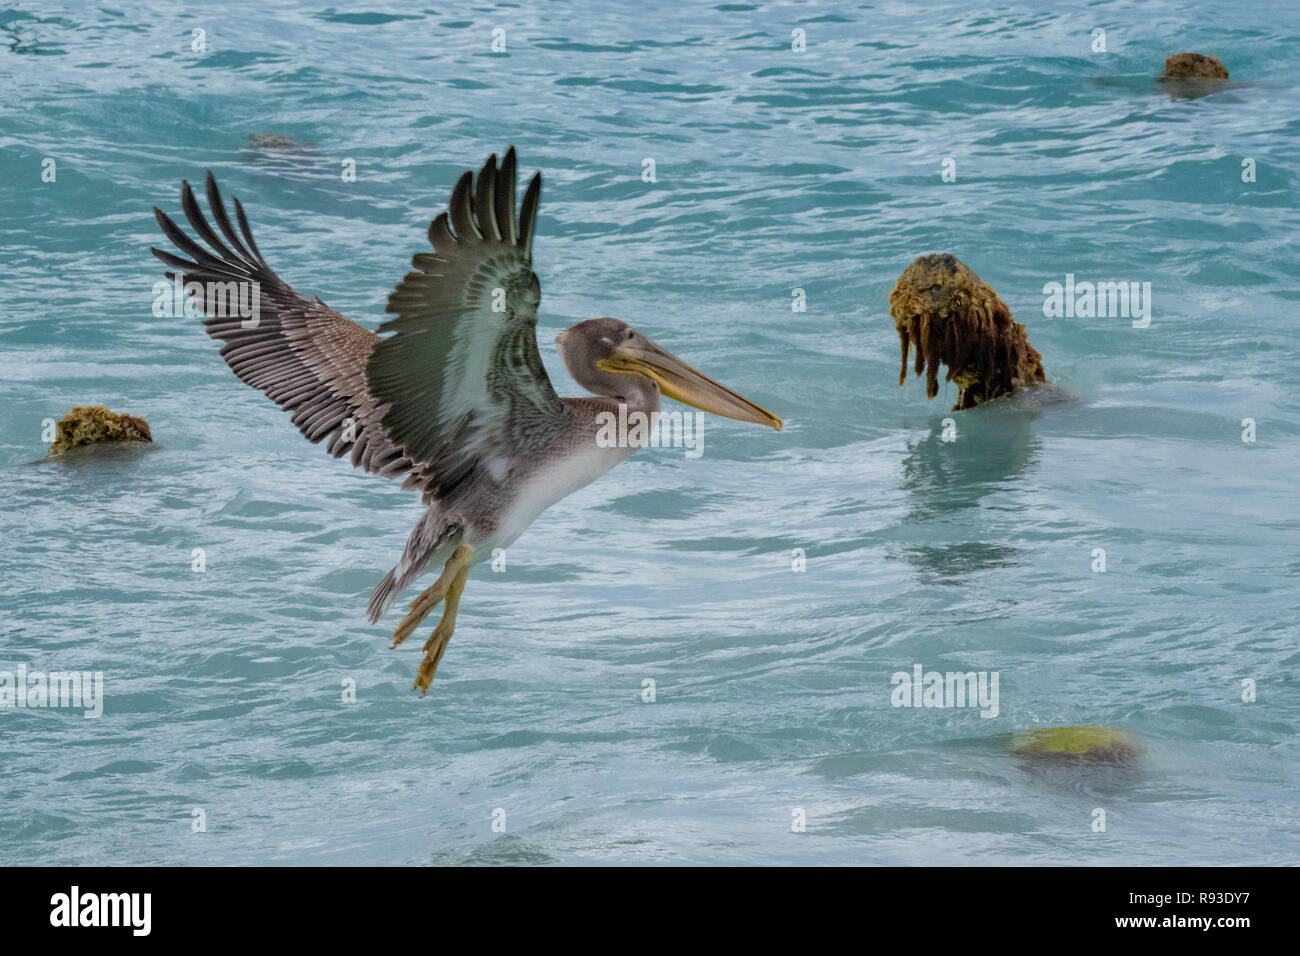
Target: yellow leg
[(427, 601), (437, 642)]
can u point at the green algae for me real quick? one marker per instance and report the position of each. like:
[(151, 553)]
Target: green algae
[(1082, 745)]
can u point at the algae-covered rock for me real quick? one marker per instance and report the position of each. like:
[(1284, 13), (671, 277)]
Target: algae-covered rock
[(1076, 745), (952, 317), (1183, 66), (96, 425)]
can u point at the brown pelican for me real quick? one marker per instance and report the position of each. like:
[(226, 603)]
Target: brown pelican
[(456, 399)]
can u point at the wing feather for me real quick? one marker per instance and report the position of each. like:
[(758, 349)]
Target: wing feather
[(307, 358), (462, 377)]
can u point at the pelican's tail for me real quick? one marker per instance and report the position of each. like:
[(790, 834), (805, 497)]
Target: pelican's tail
[(432, 533), (381, 598)]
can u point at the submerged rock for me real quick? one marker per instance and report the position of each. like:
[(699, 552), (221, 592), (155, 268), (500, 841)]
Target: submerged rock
[(1083, 745), (280, 151), (275, 141), (96, 425), (952, 317), (1183, 66)]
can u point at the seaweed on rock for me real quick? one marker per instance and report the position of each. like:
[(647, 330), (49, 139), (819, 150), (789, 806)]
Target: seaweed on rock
[(951, 317), (96, 425)]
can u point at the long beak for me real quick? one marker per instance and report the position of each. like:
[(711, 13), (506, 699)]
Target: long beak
[(685, 384)]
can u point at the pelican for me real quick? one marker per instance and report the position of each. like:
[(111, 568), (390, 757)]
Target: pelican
[(456, 399)]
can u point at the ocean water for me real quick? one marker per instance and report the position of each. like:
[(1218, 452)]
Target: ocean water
[(775, 170)]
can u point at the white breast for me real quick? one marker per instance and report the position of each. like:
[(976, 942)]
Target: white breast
[(545, 487)]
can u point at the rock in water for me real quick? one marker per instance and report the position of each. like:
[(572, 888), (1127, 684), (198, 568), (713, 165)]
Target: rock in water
[(1183, 66), (275, 141), (953, 318), (96, 425), (1076, 745)]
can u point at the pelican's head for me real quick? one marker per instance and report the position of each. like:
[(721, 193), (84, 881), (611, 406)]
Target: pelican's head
[(600, 354)]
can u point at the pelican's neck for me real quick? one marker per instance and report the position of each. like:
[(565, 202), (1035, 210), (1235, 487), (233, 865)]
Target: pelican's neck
[(637, 392)]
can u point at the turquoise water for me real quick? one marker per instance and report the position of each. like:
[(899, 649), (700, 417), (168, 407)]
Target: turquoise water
[(775, 170)]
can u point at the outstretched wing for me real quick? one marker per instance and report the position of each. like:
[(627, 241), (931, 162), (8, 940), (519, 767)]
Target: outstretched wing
[(462, 378), (306, 357), (372, 396)]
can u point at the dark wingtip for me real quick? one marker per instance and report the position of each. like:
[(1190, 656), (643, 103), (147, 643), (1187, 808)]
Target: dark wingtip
[(528, 211)]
